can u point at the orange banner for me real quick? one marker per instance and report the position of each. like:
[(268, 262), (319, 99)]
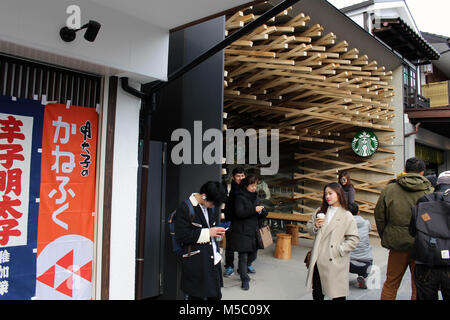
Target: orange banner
[(67, 203)]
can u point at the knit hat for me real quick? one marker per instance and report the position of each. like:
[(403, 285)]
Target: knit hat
[(444, 178)]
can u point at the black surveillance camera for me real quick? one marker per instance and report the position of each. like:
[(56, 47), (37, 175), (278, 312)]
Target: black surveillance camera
[(92, 29)]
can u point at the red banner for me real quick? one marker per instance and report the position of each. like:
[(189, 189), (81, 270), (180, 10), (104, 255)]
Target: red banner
[(67, 202)]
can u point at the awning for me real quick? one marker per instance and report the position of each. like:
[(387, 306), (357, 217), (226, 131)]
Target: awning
[(401, 38), (436, 120)]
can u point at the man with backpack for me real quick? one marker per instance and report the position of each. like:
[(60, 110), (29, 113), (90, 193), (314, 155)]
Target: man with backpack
[(392, 216), (430, 225), (196, 229)]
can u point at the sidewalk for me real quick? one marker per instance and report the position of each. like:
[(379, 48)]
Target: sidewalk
[(277, 279)]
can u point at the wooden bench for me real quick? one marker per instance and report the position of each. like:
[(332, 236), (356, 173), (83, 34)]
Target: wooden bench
[(289, 216), (305, 217), (293, 217)]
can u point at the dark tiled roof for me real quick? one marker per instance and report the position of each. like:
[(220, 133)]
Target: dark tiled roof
[(400, 37)]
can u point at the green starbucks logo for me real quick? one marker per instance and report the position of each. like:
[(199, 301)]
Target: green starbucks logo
[(365, 143)]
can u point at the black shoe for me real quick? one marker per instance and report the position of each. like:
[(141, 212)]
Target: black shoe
[(245, 285)]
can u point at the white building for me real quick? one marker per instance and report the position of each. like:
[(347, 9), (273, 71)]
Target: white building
[(391, 22), (133, 42)]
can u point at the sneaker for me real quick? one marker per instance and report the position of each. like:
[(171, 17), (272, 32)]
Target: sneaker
[(245, 285), (228, 272), (361, 282), (251, 269)]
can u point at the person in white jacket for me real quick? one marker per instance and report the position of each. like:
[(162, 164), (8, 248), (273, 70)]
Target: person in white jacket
[(361, 257)]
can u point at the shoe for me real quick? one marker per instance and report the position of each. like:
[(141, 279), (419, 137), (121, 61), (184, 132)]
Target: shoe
[(251, 269), (245, 285), (228, 272), (361, 282)]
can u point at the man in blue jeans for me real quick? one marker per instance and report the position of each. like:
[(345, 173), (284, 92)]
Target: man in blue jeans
[(361, 258)]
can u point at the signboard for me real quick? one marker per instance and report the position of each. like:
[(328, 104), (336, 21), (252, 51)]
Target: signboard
[(67, 203), (20, 163), (365, 143)]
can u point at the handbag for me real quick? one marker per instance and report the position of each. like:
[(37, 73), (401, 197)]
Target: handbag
[(264, 237), (307, 258)]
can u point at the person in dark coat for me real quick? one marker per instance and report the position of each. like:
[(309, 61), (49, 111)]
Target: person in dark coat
[(346, 184), (238, 174), (244, 226), (201, 274), (392, 217)]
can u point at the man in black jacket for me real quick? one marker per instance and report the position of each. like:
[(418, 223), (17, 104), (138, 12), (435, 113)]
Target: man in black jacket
[(431, 251), (238, 174), (201, 275)]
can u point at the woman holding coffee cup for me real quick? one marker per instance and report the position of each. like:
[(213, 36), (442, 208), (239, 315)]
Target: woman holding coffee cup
[(336, 235)]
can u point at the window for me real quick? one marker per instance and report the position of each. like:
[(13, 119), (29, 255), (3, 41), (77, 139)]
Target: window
[(409, 86)]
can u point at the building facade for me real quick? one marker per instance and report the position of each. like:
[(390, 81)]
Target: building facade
[(425, 63)]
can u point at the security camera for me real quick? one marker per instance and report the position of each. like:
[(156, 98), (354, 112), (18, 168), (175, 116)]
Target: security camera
[(92, 29)]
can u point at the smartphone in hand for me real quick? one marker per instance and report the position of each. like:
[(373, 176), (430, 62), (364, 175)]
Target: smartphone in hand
[(225, 224)]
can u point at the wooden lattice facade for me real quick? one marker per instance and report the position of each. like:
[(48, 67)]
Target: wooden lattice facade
[(291, 74)]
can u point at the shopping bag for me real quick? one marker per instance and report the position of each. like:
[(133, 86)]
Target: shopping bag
[(264, 237)]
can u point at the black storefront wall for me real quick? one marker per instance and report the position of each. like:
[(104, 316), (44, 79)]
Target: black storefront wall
[(197, 96)]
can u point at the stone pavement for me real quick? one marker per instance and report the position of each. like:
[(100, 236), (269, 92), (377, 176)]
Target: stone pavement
[(277, 279)]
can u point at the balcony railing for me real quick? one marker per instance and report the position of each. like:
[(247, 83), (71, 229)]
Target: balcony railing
[(422, 102), (416, 101)]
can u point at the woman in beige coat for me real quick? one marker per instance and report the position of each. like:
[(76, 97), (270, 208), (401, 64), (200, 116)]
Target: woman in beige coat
[(336, 235)]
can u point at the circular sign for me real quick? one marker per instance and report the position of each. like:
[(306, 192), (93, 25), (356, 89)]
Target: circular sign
[(365, 143)]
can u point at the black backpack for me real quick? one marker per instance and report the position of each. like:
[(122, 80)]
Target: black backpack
[(176, 246), (431, 221)]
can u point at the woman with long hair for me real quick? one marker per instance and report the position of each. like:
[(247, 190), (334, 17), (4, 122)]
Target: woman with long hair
[(347, 186), (336, 235)]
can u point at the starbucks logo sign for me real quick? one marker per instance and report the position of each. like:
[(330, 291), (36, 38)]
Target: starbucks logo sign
[(365, 143)]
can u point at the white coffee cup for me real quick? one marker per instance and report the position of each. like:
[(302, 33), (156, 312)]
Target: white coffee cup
[(320, 215)]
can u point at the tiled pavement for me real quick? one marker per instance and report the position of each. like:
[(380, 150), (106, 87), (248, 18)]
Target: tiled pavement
[(277, 279)]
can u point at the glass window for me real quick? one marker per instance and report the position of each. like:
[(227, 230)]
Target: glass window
[(409, 86)]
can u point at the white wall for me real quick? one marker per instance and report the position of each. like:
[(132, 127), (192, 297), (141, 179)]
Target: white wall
[(124, 195), (125, 44), (397, 123)]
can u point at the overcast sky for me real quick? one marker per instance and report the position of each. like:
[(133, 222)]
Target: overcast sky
[(431, 16)]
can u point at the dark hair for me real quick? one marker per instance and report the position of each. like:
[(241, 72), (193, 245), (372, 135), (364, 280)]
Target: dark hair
[(414, 165), (336, 187), (248, 181), (347, 175), (237, 170), (433, 180), (215, 192), (353, 208)]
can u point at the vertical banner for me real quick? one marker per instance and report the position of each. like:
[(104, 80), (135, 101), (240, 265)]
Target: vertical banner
[(20, 164), (67, 201)]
